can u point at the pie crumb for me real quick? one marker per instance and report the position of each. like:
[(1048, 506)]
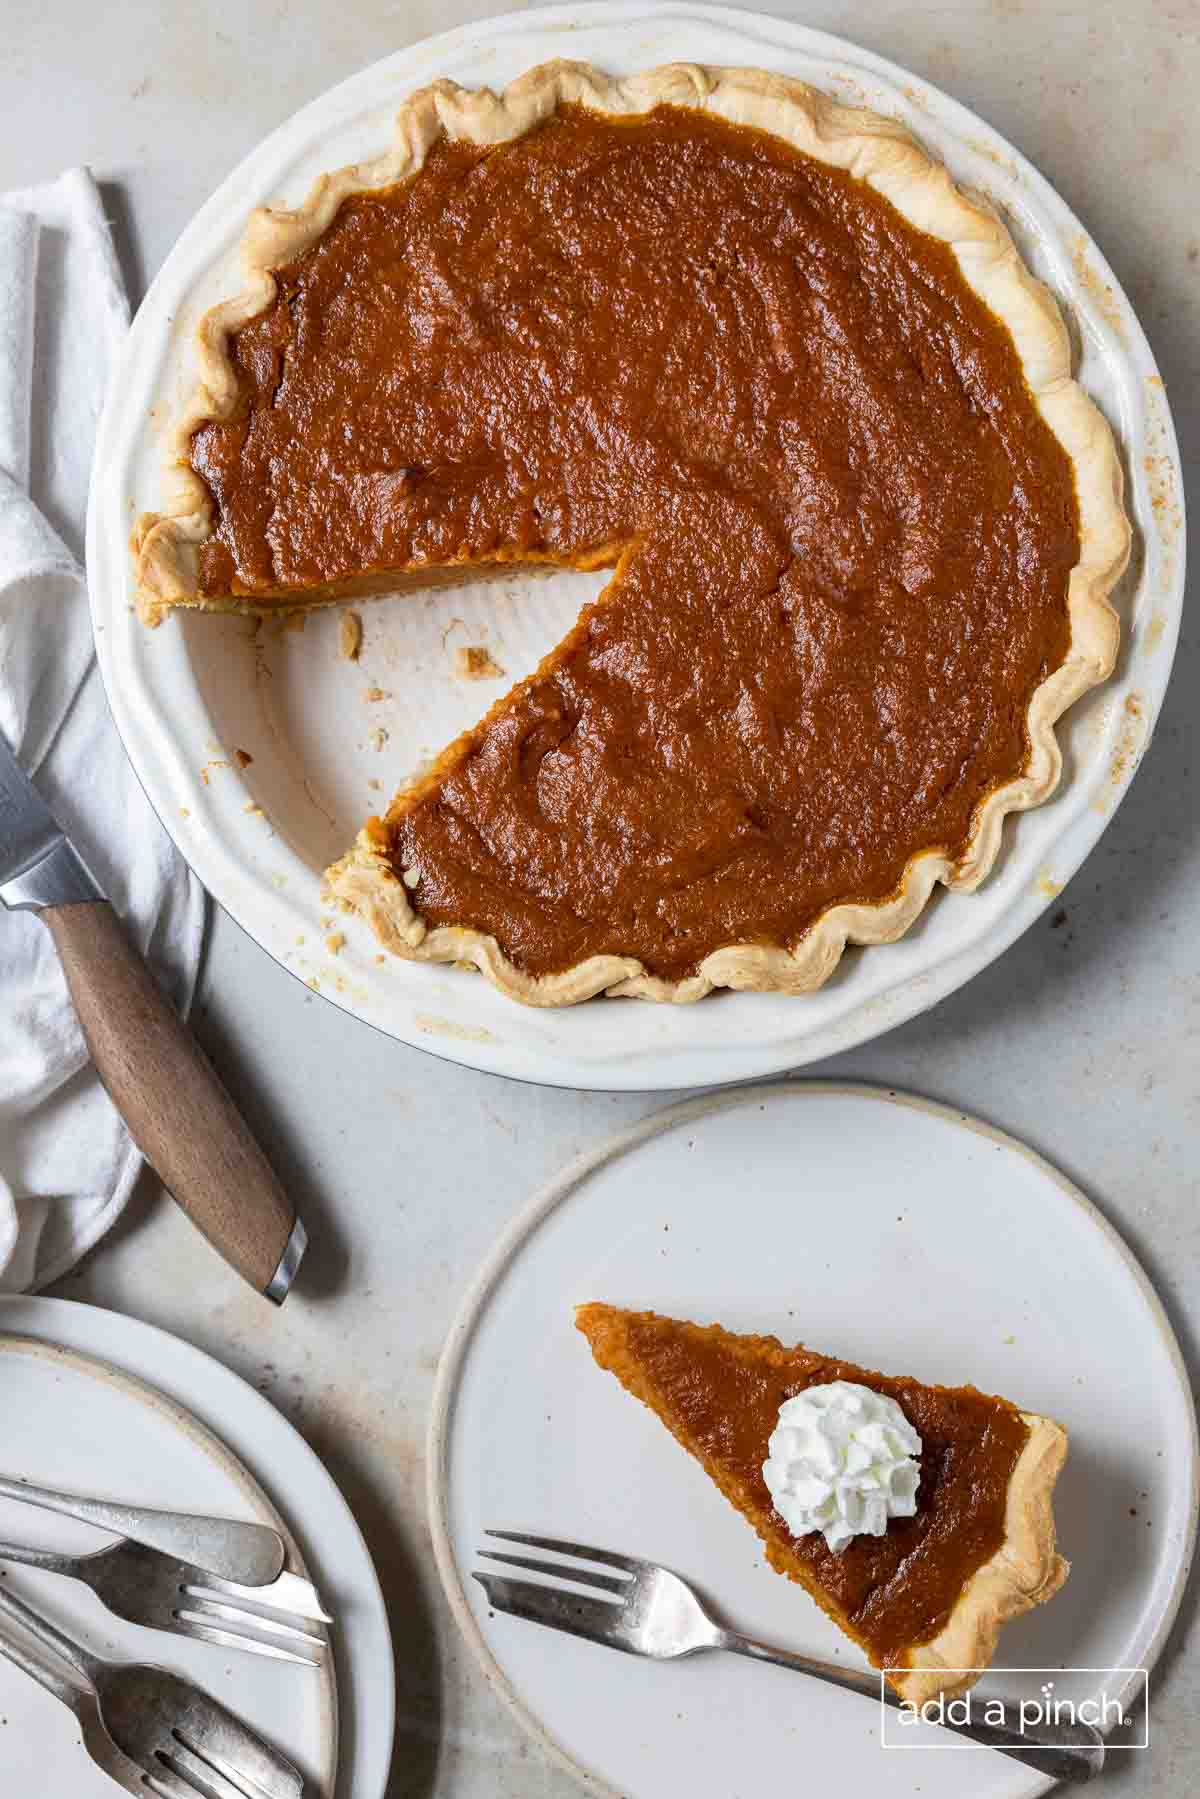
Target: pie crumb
[(474, 662), (334, 942), (374, 785), (253, 808), (350, 635), (375, 693), (243, 758), (378, 737)]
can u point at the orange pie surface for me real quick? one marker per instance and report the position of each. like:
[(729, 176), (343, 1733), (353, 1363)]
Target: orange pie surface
[(753, 352), (841, 528)]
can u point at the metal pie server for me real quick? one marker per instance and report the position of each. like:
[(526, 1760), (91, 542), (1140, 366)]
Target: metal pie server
[(159, 1079)]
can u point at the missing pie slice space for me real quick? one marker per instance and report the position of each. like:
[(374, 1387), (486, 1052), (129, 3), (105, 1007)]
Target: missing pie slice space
[(753, 352), (927, 1598)]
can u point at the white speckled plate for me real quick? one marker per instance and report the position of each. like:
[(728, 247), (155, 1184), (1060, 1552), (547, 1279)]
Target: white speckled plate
[(865, 1223), (323, 754), (100, 1403)]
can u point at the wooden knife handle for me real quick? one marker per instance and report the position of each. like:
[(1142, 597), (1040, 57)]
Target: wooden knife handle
[(163, 1085)]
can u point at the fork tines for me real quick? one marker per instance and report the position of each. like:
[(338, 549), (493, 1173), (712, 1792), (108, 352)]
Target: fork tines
[(629, 1564), (584, 1577), (188, 1770), (206, 1613), (602, 1620)]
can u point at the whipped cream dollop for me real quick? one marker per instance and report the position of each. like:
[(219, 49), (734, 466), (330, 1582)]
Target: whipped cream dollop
[(841, 1461)]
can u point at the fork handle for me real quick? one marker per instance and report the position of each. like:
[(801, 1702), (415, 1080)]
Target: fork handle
[(40, 1558), (232, 1550), (1072, 1753), (41, 1671), (51, 1637)]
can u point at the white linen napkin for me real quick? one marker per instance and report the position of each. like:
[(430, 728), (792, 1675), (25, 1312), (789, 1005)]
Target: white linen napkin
[(67, 1165)]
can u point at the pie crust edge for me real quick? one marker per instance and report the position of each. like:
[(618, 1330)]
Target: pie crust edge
[(1025, 1570), (865, 144)]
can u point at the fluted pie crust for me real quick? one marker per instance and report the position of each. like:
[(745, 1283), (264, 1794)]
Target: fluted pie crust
[(873, 149), (1022, 1570)]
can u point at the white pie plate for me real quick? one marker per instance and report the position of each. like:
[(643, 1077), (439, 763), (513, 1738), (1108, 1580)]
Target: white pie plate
[(101, 1403), (869, 1224), (186, 697)]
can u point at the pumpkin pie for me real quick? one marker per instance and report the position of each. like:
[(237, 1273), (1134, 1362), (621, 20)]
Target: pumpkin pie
[(755, 353), (926, 1599)]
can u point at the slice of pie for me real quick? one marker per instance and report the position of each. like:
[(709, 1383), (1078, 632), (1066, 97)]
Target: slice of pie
[(927, 1597), (753, 351)]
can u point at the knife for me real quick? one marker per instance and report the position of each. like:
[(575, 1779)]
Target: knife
[(159, 1079)]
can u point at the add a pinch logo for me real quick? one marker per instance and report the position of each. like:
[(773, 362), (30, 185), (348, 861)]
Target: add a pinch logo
[(1039, 1708)]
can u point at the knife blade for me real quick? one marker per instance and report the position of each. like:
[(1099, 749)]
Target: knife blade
[(178, 1113), (38, 867)]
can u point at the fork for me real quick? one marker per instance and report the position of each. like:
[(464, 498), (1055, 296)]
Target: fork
[(149, 1728), (146, 1587), (647, 1610)]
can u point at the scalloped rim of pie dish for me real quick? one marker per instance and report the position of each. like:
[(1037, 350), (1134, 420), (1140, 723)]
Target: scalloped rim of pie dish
[(874, 149)]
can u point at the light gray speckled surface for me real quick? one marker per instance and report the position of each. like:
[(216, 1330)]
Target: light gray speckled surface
[(1083, 1039)]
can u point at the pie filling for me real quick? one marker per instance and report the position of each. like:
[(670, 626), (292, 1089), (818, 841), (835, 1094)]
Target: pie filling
[(720, 1394), (842, 532)]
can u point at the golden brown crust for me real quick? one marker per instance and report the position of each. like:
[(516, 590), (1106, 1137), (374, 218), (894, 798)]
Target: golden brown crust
[(874, 149), (1025, 1570)]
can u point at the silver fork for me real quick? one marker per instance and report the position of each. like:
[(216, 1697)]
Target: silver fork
[(146, 1587), (149, 1728), (647, 1610)]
